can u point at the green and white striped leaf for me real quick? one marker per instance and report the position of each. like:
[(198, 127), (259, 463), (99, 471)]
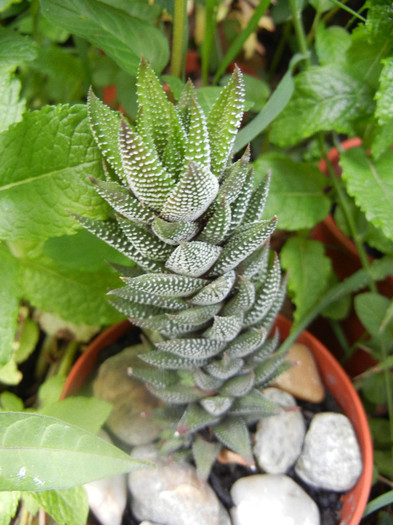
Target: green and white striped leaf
[(193, 259), (216, 291), (144, 241), (168, 361), (224, 120), (239, 386), (256, 263), (234, 179), (198, 147), (258, 201), (166, 284), (105, 126), (192, 348), (242, 244), (135, 310), (263, 352), (177, 394), (196, 315), (192, 195), (224, 368), (218, 225), (185, 104), (206, 381), (156, 378), (270, 317), (255, 403), (194, 419), (123, 202), (142, 297), (217, 405), (246, 343), (242, 300), (145, 174), (174, 232), (225, 328), (240, 205), (165, 326), (233, 433), (204, 454), (267, 371)]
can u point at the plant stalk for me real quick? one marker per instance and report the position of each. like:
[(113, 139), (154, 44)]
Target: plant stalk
[(299, 30), (68, 358), (208, 38), (179, 38)]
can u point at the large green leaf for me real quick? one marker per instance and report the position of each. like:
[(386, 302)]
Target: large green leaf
[(309, 270), (296, 192), (325, 98), (383, 138), (44, 164), (123, 36), (370, 183), (15, 49), (10, 292), (44, 453), (331, 44)]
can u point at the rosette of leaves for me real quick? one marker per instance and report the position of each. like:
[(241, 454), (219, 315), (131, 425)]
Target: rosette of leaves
[(205, 289)]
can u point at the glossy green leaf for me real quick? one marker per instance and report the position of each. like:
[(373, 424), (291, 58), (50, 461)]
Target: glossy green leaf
[(309, 271), (124, 37), (15, 49), (331, 44), (296, 192), (44, 453), (36, 195), (370, 183)]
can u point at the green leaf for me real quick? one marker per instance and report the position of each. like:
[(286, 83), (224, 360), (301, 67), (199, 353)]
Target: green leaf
[(8, 506), (296, 192), (29, 333), (233, 433), (11, 402), (44, 453), (193, 259), (383, 137), (89, 413), (10, 293), (325, 98), (44, 161), (370, 183), (11, 107), (67, 507), (371, 309), (331, 44), (9, 373), (122, 36), (15, 49), (309, 271)]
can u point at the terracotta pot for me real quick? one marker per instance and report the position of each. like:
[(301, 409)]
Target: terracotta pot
[(333, 375), (345, 261)]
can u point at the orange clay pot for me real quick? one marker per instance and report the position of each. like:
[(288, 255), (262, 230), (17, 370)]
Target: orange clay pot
[(333, 376)]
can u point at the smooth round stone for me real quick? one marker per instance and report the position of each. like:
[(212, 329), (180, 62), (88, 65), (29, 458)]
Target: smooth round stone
[(272, 499), (302, 380), (172, 493), (279, 438), (132, 402), (331, 457), (108, 498)]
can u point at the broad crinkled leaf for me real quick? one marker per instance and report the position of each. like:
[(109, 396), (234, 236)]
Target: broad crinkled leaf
[(123, 37), (10, 294), (192, 195), (383, 137), (11, 106), (35, 196), (15, 49), (370, 183), (193, 258), (331, 43), (44, 453)]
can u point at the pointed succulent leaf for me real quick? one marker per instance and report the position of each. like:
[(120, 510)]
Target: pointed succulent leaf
[(156, 378), (196, 315), (105, 126), (216, 291), (258, 201), (270, 317), (204, 454), (240, 205), (205, 381), (266, 295), (142, 297), (134, 310), (174, 232), (234, 179), (166, 284), (165, 326), (217, 405), (192, 348), (168, 361), (242, 244), (268, 370), (193, 259), (246, 343), (145, 174), (198, 148), (159, 115), (145, 241), (123, 202), (224, 120), (233, 433), (256, 263), (185, 104), (264, 351), (127, 271), (239, 386), (224, 368), (194, 418), (218, 225), (192, 195), (255, 403), (176, 394), (242, 300), (225, 328)]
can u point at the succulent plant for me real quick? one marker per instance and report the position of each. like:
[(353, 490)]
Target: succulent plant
[(206, 288)]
